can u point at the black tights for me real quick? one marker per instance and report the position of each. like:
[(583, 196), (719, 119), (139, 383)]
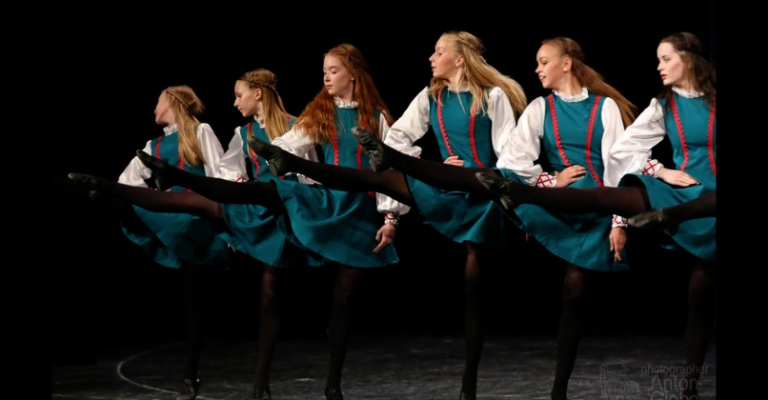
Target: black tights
[(571, 327)]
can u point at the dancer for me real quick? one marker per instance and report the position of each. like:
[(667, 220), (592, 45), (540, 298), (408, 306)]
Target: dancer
[(576, 125), (178, 240), (255, 227)]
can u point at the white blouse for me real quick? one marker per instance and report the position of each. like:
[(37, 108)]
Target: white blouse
[(632, 151), (136, 173), (414, 123), (525, 142)]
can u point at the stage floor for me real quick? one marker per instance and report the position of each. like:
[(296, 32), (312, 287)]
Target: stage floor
[(392, 367)]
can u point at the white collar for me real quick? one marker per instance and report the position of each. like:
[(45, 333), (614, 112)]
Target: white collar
[(459, 90), (687, 94), (573, 98), (341, 104), (170, 129)]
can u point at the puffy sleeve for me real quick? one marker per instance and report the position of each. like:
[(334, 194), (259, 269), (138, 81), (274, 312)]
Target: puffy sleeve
[(411, 126), (232, 165), (631, 152), (523, 146), (210, 147), (384, 203), (502, 119), (295, 142), (613, 127), (136, 173)]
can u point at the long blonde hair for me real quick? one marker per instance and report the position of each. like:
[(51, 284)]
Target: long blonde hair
[(186, 106), (318, 121), (275, 116), (479, 75)]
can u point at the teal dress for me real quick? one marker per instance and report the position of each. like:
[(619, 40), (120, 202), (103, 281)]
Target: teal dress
[(461, 216), (335, 225), (174, 239), (690, 124), (574, 139), (253, 229)]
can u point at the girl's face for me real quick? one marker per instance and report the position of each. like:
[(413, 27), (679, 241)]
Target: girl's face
[(445, 60), (672, 67), (163, 113), (247, 98), (338, 80), (551, 66)]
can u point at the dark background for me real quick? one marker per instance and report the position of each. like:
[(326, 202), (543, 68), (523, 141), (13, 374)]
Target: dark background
[(105, 290)]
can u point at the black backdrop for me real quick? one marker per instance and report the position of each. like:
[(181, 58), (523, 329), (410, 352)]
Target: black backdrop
[(105, 290)]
